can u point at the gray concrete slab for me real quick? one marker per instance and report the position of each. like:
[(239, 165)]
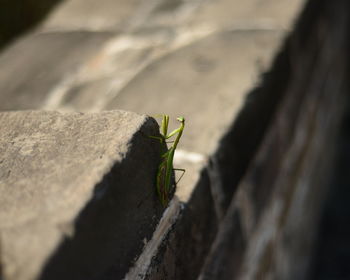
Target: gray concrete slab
[(267, 14), (77, 193), (35, 65), (91, 15)]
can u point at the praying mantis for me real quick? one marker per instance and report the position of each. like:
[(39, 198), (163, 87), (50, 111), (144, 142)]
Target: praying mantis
[(165, 169)]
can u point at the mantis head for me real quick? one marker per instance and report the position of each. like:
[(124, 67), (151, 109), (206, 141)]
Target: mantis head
[(181, 119)]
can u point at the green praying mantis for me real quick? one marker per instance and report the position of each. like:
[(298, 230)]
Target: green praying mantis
[(165, 169)]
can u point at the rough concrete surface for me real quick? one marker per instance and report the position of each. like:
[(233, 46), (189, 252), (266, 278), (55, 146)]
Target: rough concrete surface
[(78, 187), (37, 65), (92, 15), (269, 14)]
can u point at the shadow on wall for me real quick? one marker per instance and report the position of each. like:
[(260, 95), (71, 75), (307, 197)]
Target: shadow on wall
[(239, 145), (18, 16), (332, 253)]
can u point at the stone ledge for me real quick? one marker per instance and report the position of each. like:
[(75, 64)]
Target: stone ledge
[(77, 193), (270, 225)]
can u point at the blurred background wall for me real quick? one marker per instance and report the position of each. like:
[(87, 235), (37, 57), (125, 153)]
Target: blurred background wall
[(18, 16)]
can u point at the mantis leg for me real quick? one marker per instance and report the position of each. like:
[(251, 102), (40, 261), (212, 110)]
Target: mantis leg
[(163, 130), (164, 125), (173, 133), (161, 139)]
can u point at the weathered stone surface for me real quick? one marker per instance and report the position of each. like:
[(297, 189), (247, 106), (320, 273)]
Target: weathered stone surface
[(36, 65), (77, 193), (93, 15), (269, 15)]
